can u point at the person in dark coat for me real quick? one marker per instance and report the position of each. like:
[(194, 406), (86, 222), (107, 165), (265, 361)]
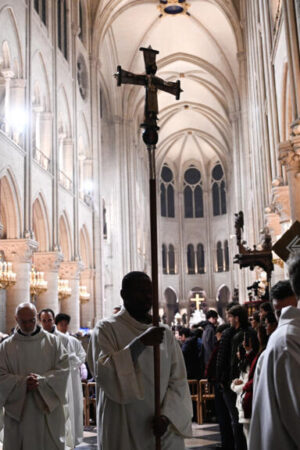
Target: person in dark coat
[(227, 368), (191, 354), (208, 337)]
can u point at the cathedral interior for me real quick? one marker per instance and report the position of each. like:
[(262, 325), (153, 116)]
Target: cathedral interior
[(74, 195)]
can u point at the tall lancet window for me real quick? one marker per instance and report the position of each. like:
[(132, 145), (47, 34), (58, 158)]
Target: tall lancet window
[(193, 193), (167, 206), (190, 259), (226, 256), (220, 262), (218, 190), (40, 6), (164, 258), (62, 27), (200, 258), (171, 260)]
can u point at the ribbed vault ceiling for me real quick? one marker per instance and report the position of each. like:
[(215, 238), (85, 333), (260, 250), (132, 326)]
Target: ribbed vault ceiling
[(200, 49)]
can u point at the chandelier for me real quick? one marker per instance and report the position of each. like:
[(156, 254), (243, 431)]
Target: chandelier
[(37, 282), (64, 290), (173, 7), (7, 276), (84, 295)]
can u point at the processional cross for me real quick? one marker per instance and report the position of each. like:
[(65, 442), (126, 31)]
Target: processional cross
[(198, 300), (152, 84)]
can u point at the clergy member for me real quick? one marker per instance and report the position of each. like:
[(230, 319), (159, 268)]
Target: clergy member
[(275, 412), (120, 356), (77, 358), (34, 370)]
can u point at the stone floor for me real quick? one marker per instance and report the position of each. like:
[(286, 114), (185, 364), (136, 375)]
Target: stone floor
[(205, 437)]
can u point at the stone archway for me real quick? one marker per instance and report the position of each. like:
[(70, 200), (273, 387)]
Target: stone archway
[(223, 298), (172, 303)]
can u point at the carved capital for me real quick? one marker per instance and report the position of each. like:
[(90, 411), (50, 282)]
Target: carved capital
[(272, 221), (48, 261), (295, 128), (71, 270), (281, 201), (18, 250), (289, 154)]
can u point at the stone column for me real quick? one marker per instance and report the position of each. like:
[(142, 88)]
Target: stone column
[(86, 309), (289, 156), (49, 263), (70, 270), (46, 133), (19, 252)]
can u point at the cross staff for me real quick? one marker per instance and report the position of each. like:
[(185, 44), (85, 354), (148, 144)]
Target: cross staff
[(150, 137), (198, 300)]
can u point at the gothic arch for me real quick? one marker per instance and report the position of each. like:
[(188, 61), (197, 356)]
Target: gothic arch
[(40, 68), (10, 210), (8, 23), (85, 247), (64, 116), (41, 223), (286, 118), (65, 240)]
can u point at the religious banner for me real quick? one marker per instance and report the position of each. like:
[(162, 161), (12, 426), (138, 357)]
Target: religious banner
[(289, 243)]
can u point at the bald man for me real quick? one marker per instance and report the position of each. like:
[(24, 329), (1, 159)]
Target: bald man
[(34, 370)]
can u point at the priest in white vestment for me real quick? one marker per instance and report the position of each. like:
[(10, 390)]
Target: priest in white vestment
[(34, 371), (275, 422), (77, 357), (120, 356)]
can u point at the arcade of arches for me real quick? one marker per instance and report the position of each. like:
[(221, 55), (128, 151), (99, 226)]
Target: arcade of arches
[(73, 167)]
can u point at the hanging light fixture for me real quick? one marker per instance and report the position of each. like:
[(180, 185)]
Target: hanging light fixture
[(84, 295), (64, 290), (7, 276), (173, 7), (37, 282)]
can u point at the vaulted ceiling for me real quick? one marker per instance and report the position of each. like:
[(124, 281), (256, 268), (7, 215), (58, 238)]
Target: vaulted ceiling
[(201, 49)]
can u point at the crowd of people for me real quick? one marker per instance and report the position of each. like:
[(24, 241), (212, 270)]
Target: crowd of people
[(227, 355), (252, 362)]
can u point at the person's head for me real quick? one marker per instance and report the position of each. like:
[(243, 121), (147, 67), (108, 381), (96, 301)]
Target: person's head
[(264, 308), (136, 293), (254, 320), (228, 307), (116, 309), (238, 317), (220, 330), (46, 318), (62, 322), (184, 334), (294, 273), (26, 317), (212, 316), (270, 323), (282, 295)]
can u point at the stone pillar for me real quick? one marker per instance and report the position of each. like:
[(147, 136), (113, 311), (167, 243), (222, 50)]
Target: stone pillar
[(86, 309), (68, 157), (289, 156), (2, 310), (46, 133), (17, 107), (70, 270), (19, 252), (49, 263)]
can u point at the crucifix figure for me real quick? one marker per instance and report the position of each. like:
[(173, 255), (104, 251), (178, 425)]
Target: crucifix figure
[(198, 300), (152, 84)]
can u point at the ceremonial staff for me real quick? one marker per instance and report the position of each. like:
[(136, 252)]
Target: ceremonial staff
[(150, 137)]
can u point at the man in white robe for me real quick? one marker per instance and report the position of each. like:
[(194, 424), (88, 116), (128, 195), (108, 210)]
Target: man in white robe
[(34, 371), (77, 357), (275, 422), (120, 356)]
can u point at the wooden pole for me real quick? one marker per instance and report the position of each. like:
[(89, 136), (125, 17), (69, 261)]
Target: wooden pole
[(154, 274)]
